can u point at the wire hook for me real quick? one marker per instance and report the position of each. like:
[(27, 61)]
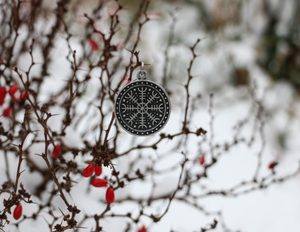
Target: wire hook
[(142, 65)]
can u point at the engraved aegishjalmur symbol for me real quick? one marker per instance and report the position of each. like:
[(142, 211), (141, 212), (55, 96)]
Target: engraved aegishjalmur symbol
[(142, 107)]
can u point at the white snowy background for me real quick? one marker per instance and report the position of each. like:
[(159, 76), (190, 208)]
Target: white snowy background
[(275, 209)]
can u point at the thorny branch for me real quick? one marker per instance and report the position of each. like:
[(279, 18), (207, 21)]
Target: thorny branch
[(37, 123)]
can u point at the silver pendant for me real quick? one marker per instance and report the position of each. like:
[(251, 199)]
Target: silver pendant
[(142, 107)]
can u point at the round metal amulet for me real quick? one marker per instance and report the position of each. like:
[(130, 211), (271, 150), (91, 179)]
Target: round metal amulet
[(142, 107)]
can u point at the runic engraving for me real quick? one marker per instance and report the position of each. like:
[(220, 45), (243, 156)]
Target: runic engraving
[(151, 99), (128, 108), (131, 118), (152, 118), (142, 107), (132, 97)]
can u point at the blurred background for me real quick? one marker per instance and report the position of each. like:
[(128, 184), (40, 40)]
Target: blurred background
[(246, 46), (246, 84)]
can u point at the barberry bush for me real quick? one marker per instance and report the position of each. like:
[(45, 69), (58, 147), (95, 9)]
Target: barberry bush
[(66, 165)]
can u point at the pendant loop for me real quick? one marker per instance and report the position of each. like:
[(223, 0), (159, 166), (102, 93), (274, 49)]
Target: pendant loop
[(141, 75)]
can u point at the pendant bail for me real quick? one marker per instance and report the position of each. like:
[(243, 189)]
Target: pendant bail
[(141, 75)]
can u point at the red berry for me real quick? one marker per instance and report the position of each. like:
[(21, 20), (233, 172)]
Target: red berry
[(98, 170), (97, 182), (142, 229), (57, 151), (272, 165), (23, 95), (7, 112), (88, 171), (110, 195), (2, 95), (202, 160), (18, 212), (13, 89), (93, 45)]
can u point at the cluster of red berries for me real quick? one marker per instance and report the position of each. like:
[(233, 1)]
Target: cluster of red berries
[(99, 182), (15, 94), (88, 172), (91, 169)]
